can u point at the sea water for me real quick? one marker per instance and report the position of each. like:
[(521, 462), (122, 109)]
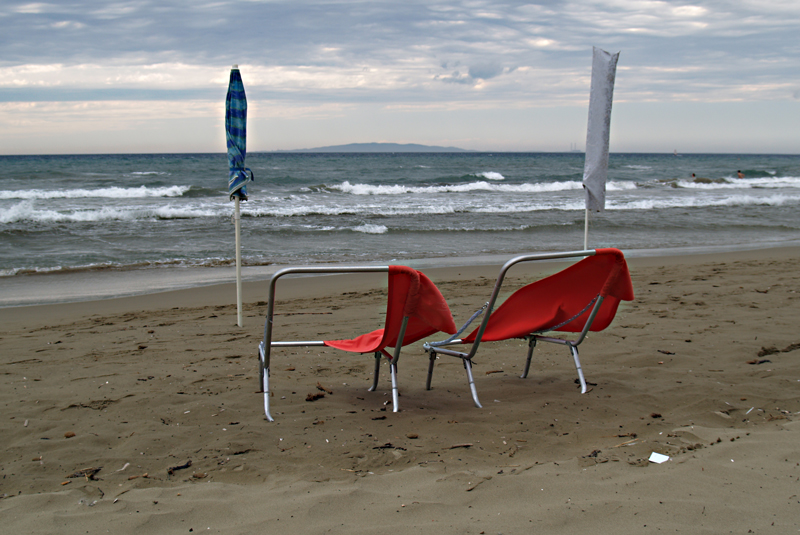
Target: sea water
[(150, 211)]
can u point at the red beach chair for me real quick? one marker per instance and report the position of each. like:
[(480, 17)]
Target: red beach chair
[(415, 310), (583, 297)]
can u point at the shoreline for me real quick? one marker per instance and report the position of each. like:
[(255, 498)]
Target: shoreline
[(51, 288)]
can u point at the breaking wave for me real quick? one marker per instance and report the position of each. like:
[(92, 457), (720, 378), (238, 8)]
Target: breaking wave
[(102, 193)]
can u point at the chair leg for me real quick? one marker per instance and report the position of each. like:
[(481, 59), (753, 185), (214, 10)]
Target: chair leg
[(393, 369), (263, 373), (266, 396), (531, 346), (430, 370), (377, 372), (468, 367), (261, 366), (574, 351)]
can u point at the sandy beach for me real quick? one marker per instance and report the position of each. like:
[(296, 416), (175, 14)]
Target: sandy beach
[(142, 414)]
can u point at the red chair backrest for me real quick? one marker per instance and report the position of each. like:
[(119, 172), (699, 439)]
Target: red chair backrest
[(549, 302), (412, 294)]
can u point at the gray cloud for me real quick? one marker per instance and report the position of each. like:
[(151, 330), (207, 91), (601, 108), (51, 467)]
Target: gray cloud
[(485, 71), (456, 78), (422, 54), (699, 49)]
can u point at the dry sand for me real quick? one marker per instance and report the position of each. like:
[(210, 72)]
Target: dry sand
[(702, 367)]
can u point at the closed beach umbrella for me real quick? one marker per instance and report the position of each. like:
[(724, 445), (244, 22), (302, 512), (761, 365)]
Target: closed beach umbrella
[(239, 175), (595, 170), (236, 136)]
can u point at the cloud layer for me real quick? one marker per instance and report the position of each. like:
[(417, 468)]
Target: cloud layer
[(324, 58)]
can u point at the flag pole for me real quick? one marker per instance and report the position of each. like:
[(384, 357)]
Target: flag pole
[(586, 231), (237, 222)]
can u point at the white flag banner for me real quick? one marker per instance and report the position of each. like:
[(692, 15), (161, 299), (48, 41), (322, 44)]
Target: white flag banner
[(595, 170)]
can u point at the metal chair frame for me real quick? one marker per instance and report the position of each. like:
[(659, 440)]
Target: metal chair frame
[(266, 345), (436, 348)]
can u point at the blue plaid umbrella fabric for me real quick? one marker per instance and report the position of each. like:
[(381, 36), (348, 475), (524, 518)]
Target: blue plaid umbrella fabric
[(236, 134)]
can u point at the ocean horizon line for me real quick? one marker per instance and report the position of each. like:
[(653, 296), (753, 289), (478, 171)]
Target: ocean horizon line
[(463, 152)]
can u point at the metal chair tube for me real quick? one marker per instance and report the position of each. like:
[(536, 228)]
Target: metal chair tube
[(471, 380), (377, 371), (393, 362), (573, 344), (501, 277), (531, 347), (266, 345), (574, 351), (434, 348)]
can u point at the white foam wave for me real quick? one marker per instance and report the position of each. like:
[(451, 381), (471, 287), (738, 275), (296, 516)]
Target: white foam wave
[(638, 167), (396, 189), (526, 207), (28, 211), (518, 205), (362, 210), (492, 175), (698, 202), (104, 193), (620, 185), (188, 212), (537, 187), (371, 229), (743, 183), (368, 189), (304, 206)]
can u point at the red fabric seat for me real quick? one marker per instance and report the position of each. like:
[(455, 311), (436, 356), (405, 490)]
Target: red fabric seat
[(589, 290), (412, 294), (549, 302)]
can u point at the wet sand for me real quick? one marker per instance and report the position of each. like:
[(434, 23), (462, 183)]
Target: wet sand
[(703, 367)]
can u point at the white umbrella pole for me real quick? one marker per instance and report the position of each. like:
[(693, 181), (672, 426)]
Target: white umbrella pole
[(237, 221), (586, 231)]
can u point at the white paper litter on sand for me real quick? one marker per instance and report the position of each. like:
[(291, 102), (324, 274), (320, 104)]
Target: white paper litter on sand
[(658, 458)]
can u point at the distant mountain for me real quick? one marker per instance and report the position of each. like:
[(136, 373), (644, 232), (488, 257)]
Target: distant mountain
[(380, 147)]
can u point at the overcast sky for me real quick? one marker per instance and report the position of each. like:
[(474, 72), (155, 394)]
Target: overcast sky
[(93, 76)]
